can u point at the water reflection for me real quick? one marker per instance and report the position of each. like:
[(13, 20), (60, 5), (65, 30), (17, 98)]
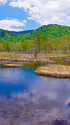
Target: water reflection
[(63, 62), (29, 99)]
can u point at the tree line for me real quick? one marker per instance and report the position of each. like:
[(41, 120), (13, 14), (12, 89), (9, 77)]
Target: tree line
[(39, 44)]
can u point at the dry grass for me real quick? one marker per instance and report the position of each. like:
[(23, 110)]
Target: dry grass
[(53, 70), (24, 58), (13, 65)]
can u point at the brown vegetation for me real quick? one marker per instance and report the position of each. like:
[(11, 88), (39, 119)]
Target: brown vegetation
[(13, 65), (24, 58), (53, 70)]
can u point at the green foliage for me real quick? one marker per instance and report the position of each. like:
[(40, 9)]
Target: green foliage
[(52, 30), (48, 38), (47, 30)]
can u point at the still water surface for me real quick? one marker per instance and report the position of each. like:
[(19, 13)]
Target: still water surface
[(29, 99)]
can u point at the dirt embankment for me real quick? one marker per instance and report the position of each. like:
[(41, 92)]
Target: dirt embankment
[(53, 70)]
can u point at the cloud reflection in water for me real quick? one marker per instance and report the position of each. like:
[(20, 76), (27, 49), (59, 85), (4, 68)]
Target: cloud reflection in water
[(47, 98)]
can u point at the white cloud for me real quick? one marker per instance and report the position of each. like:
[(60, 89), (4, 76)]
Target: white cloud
[(45, 11), (3, 1), (12, 24)]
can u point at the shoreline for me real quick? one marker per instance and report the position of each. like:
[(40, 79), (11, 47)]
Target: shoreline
[(51, 70)]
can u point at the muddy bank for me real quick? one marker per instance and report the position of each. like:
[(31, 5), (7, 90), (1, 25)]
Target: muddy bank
[(53, 70)]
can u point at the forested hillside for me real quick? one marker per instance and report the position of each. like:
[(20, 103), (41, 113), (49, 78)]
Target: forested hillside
[(12, 35), (48, 30), (52, 30), (44, 39)]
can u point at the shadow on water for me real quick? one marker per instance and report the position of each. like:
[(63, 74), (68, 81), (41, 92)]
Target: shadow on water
[(29, 99), (63, 62), (33, 66)]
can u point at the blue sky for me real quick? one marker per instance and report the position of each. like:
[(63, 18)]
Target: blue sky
[(19, 15)]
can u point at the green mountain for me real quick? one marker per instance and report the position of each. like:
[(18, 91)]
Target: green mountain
[(47, 38), (51, 30), (12, 33)]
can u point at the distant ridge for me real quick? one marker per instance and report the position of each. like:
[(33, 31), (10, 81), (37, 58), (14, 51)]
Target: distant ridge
[(26, 31), (13, 33)]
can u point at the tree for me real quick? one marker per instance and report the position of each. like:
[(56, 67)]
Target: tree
[(38, 38), (6, 45), (44, 39)]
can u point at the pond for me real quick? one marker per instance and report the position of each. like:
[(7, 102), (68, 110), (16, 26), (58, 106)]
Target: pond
[(29, 99)]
